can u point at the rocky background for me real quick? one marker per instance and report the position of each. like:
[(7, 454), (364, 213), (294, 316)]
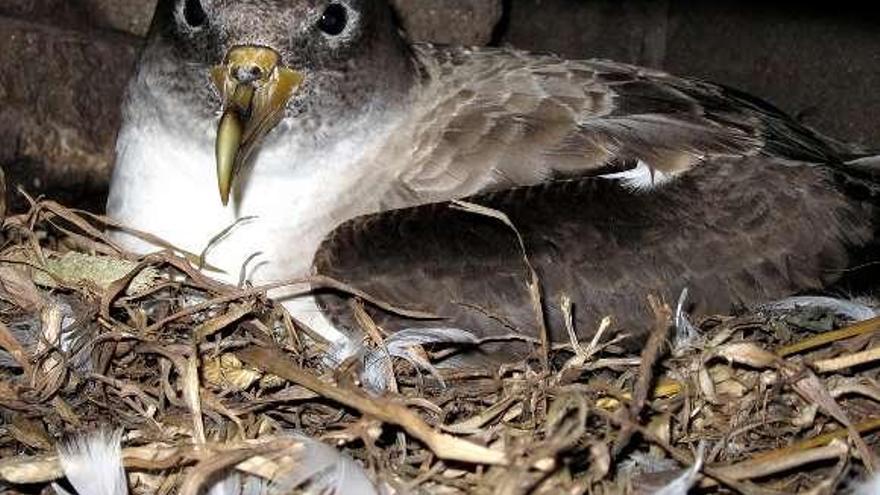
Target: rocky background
[(65, 64)]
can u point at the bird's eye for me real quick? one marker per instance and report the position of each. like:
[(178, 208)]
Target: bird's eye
[(333, 19), (193, 13)]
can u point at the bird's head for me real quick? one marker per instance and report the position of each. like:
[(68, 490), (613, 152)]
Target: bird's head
[(309, 63)]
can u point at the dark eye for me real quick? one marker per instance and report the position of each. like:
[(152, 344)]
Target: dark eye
[(333, 19), (193, 13)]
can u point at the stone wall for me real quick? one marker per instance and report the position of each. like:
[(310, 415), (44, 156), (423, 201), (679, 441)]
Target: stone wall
[(59, 101), (65, 63), (817, 61)]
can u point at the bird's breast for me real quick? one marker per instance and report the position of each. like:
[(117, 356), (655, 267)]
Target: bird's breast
[(165, 184)]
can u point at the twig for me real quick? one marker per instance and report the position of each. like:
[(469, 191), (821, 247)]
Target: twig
[(860, 328), (309, 285), (534, 284), (444, 446), (681, 457), (863, 427), (847, 361), (191, 387), (764, 466), (650, 355)]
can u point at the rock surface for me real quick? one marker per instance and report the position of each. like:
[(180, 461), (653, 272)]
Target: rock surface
[(60, 109), (450, 22), (818, 62), (131, 16)]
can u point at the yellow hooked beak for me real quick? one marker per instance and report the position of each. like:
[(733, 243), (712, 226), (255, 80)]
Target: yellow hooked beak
[(254, 89)]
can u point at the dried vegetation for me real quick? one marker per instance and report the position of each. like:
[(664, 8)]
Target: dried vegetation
[(204, 379)]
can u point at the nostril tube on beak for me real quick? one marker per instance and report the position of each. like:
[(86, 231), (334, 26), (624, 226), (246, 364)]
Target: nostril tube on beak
[(254, 89), (246, 74)]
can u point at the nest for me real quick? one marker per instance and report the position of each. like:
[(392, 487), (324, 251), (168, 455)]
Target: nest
[(202, 379)]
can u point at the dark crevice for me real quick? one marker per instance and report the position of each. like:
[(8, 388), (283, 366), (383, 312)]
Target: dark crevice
[(499, 32)]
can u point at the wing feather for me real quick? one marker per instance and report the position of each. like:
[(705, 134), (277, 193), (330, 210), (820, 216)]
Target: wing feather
[(734, 231), (491, 119)]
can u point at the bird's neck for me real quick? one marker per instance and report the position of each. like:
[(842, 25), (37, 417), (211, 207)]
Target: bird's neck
[(298, 188)]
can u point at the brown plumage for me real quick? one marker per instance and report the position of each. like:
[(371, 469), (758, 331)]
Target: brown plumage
[(758, 208), (734, 231), (490, 119), (623, 180)]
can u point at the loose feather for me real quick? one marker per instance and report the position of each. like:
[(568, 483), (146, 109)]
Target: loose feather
[(871, 487), (848, 308), (92, 464), (323, 470), (400, 345), (683, 484), (29, 333), (375, 361), (228, 485), (685, 331), (234, 483)]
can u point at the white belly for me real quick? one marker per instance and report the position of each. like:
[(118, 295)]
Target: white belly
[(166, 186)]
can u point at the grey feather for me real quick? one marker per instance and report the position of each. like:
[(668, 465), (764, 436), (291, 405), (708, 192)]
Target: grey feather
[(234, 483), (685, 331), (399, 345), (375, 361), (322, 469), (850, 309), (228, 485), (683, 484), (28, 332)]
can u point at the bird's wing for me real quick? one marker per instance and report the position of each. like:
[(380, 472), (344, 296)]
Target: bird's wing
[(490, 119), (734, 231)]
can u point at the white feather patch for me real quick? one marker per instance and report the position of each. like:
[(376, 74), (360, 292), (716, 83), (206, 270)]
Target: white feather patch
[(851, 309), (306, 310), (229, 485), (375, 376), (324, 470), (686, 333), (871, 487), (400, 345), (682, 485), (235, 483), (642, 177), (92, 463)]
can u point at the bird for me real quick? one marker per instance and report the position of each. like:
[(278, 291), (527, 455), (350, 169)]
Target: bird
[(295, 138)]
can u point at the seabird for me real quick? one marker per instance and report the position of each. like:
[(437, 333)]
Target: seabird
[(337, 147)]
